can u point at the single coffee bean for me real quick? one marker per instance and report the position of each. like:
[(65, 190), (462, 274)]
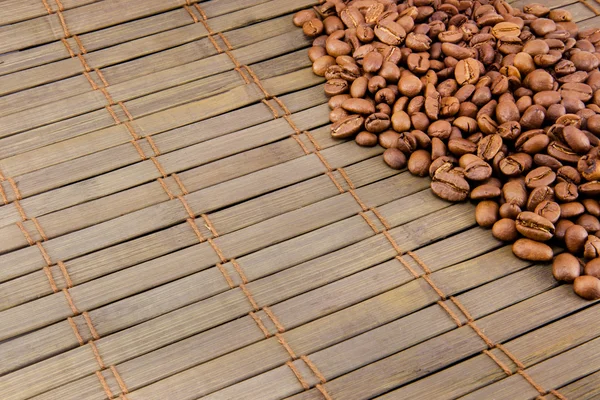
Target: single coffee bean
[(449, 186), (334, 87), (358, 106), (534, 226), (514, 192), (592, 268), (489, 146), (589, 222), (337, 114), (568, 174), (561, 227), (394, 158), (485, 192), (562, 152), (592, 207), (377, 122), (549, 210), (539, 80), (591, 188), (466, 71), (409, 85), (313, 27), (587, 287), (589, 166), (591, 249), (544, 160), (540, 176), (530, 250), (575, 238), (486, 213), (365, 138), (440, 129), (538, 195), (321, 64), (509, 210), (347, 127), (419, 162), (303, 16), (505, 230), (388, 139), (566, 191), (389, 32), (566, 267)]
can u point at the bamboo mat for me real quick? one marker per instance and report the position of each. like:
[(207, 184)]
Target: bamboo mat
[(177, 223)]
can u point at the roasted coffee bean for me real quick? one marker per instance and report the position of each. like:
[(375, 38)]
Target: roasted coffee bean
[(566, 267), (538, 195), (489, 146), (347, 127), (466, 71), (571, 209), (485, 192), (505, 230), (592, 268), (486, 213), (592, 207), (449, 186), (334, 87), (377, 122), (303, 16), (591, 249), (589, 222), (568, 174), (587, 287), (394, 158), (388, 139), (544, 160), (516, 164), (530, 250), (358, 106), (419, 162), (541, 176), (539, 80), (389, 32), (566, 191), (534, 226), (575, 238), (514, 192), (367, 139), (313, 27), (549, 210), (337, 114)]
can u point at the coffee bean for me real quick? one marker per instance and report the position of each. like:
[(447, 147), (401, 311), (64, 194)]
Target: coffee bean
[(449, 186), (388, 139), (313, 27), (566, 267), (587, 287), (303, 16), (377, 122), (540, 176), (334, 87), (505, 230), (367, 139), (485, 192), (419, 162), (566, 191), (358, 106), (591, 249), (538, 195), (592, 268), (589, 222), (549, 210), (539, 80), (389, 32), (592, 207), (347, 127), (575, 238), (530, 250), (534, 226), (466, 71), (394, 158), (571, 209), (486, 213)]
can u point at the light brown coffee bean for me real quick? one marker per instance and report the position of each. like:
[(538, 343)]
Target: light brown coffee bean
[(303, 16), (587, 287), (394, 158), (365, 138), (466, 71), (389, 32), (449, 186), (313, 27), (514, 192), (566, 267), (589, 222), (571, 209), (489, 146), (540, 176), (530, 250), (516, 164), (592, 207), (485, 192), (549, 210), (566, 191), (592, 268), (486, 213), (505, 230), (358, 106), (388, 139), (538, 195), (347, 127), (534, 226), (539, 80), (591, 249), (419, 162)]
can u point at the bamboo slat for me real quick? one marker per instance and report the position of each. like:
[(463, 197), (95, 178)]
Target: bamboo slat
[(20, 10)]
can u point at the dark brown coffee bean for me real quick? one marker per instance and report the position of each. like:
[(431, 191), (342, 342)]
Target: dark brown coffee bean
[(509, 210), (347, 127), (533, 117), (466, 71), (461, 146), (450, 186), (372, 62), (591, 249), (592, 268), (561, 227), (589, 222), (534, 226), (591, 188), (544, 160), (562, 152), (589, 166), (489, 146), (538, 195), (394, 158), (539, 80), (568, 174), (587, 287), (377, 122), (485, 192), (575, 238), (516, 164), (566, 267), (549, 210), (530, 250), (540, 176), (507, 111), (419, 162), (367, 139), (566, 191)]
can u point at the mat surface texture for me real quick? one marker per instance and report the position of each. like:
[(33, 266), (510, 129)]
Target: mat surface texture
[(176, 222)]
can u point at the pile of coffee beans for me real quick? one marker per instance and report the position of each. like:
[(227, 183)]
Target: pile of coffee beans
[(495, 104)]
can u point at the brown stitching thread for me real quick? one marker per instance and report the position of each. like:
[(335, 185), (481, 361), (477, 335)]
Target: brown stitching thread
[(70, 301), (346, 178), (273, 110), (25, 233), (381, 219), (286, 346), (112, 113), (392, 242), (270, 314), (47, 6), (531, 382), (64, 41), (125, 110), (138, 149), (305, 385), (451, 313), (44, 253), (249, 296), (368, 221), (84, 63), (107, 95), (304, 148), (335, 182), (179, 183), (497, 361), (153, 145), (590, 7), (191, 14), (158, 167), (97, 354), (283, 107), (217, 250), (408, 267), (90, 80), (419, 262), (131, 130), (14, 186), (291, 122), (120, 380), (227, 43), (88, 321), (60, 6), (187, 207), (434, 287), (63, 23), (557, 394), (260, 324), (324, 161), (39, 228), (510, 355), (360, 203), (102, 78), (76, 331), (165, 188), (48, 273), (202, 14), (225, 275), (79, 44), (20, 210), (209, 225), (192, 222), (104, 384), (258, 83), (3, 194), (314, 369), (239, 270), (313, 140), (321, 389), (65, 273)]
